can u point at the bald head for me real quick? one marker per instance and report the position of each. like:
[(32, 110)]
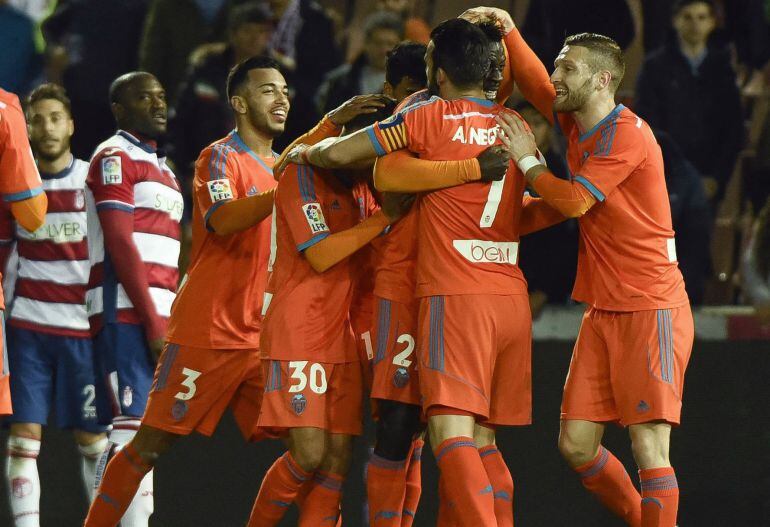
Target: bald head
[(120, 86), (138, 102)]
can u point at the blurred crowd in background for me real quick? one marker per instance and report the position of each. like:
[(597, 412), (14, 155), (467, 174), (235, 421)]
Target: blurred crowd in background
[(701, 78)]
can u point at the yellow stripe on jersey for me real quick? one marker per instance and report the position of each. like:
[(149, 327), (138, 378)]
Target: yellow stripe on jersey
[(395, 137)]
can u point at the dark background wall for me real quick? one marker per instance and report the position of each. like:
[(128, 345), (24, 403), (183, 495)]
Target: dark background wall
[(721, 453)]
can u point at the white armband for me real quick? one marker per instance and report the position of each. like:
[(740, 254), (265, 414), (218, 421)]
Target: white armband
[(527, 162)]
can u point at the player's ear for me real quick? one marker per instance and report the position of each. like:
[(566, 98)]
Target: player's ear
[(238, 104), (605, 78), (387, 89), (441, 76), (118, 111)]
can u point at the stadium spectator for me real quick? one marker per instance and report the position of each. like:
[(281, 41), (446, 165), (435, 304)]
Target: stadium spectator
[(746, 25), (173, 30), (415, 28), (549, 21), (367, 72), (97, 40), (688, 89), (691, 215), (19, 61), (304, 43), (755, 266), (549, 257), (203, 112)]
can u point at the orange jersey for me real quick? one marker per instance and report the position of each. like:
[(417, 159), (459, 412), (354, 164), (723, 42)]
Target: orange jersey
[(627, 256), (364, 260), (19, 178), (308, 312), (219, 303), (396, 252), (467, 235)]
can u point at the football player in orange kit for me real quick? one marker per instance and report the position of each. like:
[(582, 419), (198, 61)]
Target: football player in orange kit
[(466, 267), (313, 376), (635, 341), (21, 186)]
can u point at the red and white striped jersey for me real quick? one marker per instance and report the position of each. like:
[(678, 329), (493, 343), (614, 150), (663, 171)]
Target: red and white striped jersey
[(53, 267), (130, 175)]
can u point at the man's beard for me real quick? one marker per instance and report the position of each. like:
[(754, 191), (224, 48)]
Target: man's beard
[(576, 99), (262, 124), (49, 156)]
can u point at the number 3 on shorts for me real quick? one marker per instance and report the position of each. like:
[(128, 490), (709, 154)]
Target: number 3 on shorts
[(317, 377), (189, 383)]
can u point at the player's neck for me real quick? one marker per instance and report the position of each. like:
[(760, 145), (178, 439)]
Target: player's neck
[(261, 144), (54, 166), (450, 92), (593, 113), (692, 50)]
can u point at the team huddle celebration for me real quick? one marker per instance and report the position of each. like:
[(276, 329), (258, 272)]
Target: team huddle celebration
[(368, 272)]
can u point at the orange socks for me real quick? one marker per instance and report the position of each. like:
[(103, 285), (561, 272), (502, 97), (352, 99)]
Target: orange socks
[(413, 484), (607, 479), (466, 482), (119, 484), (278, 490), (322, 503), (385, 489), (502, 484), (660, 497)]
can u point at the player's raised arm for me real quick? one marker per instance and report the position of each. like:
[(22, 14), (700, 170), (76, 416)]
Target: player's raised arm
[(571, 198), (224, 207), (537, 214), (340, 245), (309, 230), (525, 67), (341, 153), (402, 171), (331, 124)]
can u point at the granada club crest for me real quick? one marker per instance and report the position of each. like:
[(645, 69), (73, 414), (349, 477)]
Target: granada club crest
[(298, 403), (21, 487), (80, 200), (128, 396)]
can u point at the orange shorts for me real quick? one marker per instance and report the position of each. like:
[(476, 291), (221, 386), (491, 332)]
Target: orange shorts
[(629, 367), (5, 379), (395, 364), (193, 387), (302, 393), (361, 322), (475, 354)]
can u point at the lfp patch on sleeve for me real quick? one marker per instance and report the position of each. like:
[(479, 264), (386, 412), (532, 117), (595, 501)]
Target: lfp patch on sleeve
[(315, 217), (112, 171), (219, 189)]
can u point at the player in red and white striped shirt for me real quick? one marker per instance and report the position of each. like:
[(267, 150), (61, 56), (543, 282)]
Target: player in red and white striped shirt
[(50, 353), (134, 209)]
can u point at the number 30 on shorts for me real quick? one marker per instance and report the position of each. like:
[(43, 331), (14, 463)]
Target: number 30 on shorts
[(317, 377)]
